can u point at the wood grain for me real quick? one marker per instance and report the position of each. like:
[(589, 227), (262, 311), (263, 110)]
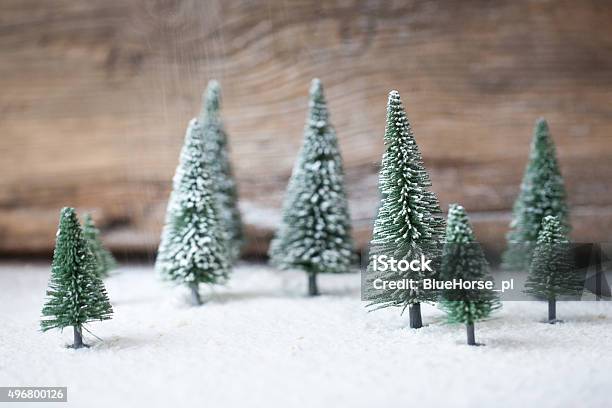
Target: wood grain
[(96, 96)]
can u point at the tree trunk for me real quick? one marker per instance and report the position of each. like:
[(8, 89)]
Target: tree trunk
[(416, 321), (598, 273), (195, 294), (552, 310), (78, 338), (313, 290), (471, 338)]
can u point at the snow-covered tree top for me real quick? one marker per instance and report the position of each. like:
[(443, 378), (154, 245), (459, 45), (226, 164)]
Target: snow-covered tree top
[(320, 141), (318, 114), (541, 140), (211, 100), (68, 213), (89, 227), (194, 179), (458, 227), (552, 232), (543, 157)]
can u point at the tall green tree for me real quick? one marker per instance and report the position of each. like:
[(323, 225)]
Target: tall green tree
[(216, 155), (551, 274), (195, 244), (76, 294), (105, 262), (409, 222), (315, 232), (542, 194), (463, 258)]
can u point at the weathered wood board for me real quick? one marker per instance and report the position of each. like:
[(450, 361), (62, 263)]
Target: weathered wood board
[(95, 97)]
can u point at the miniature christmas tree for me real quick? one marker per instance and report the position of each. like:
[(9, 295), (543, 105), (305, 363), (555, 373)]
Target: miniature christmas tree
[(542, 194), (105, 262), (76, 294), (463, 258), (551, 274), (195, 248), (315, 233), (216, 154), (409, 222)]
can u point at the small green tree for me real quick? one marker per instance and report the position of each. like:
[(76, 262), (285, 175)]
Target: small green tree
[(76, 294), (542, 194), (216, 155), (551, 274), (409, 222), (315, 232), (463, 258), (105, 262), (196, 249)]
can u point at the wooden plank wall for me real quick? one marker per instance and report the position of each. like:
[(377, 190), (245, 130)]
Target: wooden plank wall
[(95, 97)]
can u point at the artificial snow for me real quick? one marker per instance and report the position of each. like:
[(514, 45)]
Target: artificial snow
[(260, 342)]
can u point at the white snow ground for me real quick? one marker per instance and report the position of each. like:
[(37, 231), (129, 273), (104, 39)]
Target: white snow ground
[(259, 342)]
